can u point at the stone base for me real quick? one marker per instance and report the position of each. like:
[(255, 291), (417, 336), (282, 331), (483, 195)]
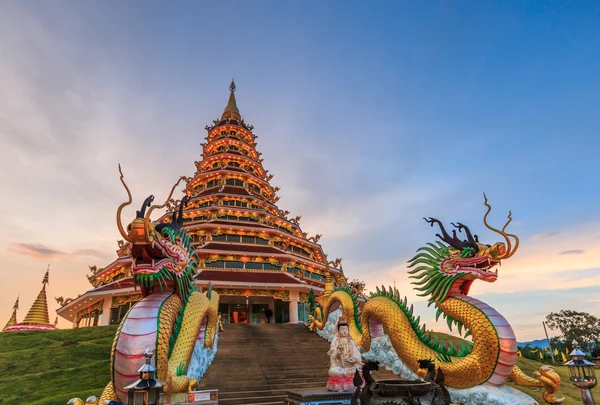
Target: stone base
[(316, 396)]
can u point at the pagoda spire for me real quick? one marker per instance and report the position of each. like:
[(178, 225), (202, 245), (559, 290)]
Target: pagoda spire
[(38, 313), (13, 319), (231, 111)]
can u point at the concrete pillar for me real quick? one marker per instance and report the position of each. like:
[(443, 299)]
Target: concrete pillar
[(105, 319), (294, 298)]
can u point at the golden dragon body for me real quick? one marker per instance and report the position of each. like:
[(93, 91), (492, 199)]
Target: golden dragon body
[(444, 272)]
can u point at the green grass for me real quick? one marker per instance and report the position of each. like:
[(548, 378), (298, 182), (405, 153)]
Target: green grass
[(49, 368)]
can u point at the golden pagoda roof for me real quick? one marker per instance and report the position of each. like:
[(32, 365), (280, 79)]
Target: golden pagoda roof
[(13, 319), (231, 111), (38, 313)]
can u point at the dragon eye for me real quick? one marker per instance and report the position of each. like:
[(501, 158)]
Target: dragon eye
[(467, 252)]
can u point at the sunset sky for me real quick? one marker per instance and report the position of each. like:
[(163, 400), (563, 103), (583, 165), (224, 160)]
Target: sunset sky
[(370, 115)]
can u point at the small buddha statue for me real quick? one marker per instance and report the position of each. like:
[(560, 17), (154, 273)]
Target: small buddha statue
[(345, 359), (220, 322)]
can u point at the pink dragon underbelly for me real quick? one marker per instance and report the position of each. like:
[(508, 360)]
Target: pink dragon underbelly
[(506, 339), (138, 333)]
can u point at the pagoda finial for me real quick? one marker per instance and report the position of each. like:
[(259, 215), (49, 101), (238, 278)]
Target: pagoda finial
[(46, 279), (231, 111)]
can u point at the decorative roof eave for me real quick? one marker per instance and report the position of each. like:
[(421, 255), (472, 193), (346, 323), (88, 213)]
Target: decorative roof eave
[(232, 141), (230, 195), (251, 227), (297, 258), (244, 210), (115, 265), (228, 126), (220, 155), (64, 311), (222, 171), (217, 283)]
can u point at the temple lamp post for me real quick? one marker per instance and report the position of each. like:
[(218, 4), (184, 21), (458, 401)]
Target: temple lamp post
[(147, 390), (582, 374)]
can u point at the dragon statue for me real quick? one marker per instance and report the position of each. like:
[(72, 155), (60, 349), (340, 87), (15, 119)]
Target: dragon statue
[(444, 271), (174, 319)]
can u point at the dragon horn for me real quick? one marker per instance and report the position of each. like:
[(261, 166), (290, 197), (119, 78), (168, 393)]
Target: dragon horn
[(147, 219), (123, 205), (509, 250)]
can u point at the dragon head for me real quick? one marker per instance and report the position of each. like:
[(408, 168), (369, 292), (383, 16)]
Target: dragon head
[(163, 255), (451, 267)]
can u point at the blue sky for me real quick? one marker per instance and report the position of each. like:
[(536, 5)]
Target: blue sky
[(371, 116)]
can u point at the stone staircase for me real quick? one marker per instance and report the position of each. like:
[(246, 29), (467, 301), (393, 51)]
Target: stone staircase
[(257, 364)]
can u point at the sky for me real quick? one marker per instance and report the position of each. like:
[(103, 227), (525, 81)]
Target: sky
[(370, 115)]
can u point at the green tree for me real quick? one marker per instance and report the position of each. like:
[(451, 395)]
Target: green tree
[(573, 325)]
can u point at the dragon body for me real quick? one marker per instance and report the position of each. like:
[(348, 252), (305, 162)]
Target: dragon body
[(173, 319), (444, 272)]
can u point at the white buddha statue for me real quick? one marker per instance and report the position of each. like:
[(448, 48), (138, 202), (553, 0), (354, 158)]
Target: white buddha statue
[(345, 359)]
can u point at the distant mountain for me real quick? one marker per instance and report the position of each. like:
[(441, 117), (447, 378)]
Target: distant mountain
[(539, 343)]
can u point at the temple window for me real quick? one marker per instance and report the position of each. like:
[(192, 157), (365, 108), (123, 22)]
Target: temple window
[(233, 164), (315, 276), (117, 314), (255, 240), (261, 266), (216, 165), (235, 148), (212, 183), (90, 319), (235, 182), (298, 251), (204, 204), (235, 203), (221, 264)]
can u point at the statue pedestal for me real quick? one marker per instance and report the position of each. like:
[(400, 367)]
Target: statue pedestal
[(317, 396)]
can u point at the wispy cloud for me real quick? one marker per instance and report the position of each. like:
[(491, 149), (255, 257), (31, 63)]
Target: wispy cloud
[(572, 252), (545, 235), (39, 251)]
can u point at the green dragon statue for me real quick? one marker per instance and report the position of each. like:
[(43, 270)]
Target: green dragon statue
[(172, 316)]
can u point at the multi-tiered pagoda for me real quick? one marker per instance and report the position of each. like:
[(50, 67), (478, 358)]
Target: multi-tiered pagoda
[(254, 255)]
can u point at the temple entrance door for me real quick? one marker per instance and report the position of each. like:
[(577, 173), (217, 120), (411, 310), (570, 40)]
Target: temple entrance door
[(282, 311), (239, 314)]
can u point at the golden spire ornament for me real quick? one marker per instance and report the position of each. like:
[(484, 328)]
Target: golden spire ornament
[(231, 111)]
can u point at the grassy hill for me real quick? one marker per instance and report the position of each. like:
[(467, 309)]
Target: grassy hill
[(49, 368)]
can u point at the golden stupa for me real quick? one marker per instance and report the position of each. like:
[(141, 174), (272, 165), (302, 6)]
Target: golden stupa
[(37, 318), (13, 319)]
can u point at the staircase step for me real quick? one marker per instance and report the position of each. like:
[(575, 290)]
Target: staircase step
[(258, 364)]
